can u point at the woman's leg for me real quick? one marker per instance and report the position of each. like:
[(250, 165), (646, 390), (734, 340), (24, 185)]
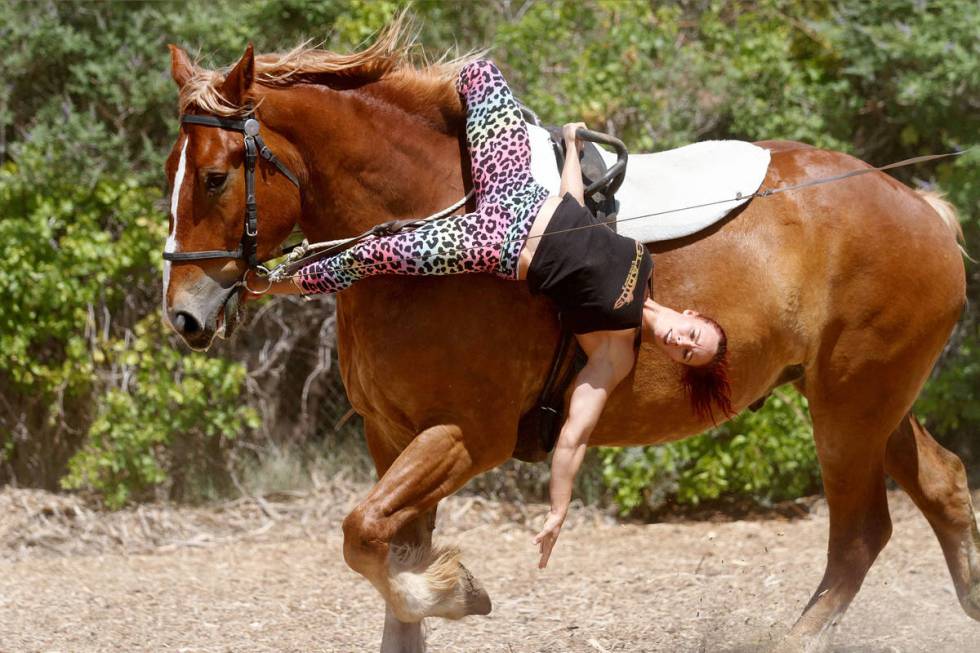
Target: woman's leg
[(451, 245), (489, 240), (507, 196), (611, 357), (496, 134)]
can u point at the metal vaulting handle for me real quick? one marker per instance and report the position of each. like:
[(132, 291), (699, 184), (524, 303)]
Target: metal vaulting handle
[(615, 174)]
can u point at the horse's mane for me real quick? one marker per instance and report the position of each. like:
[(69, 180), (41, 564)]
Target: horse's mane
[(393, 56)]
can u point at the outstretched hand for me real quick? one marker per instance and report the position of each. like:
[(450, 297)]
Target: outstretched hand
[(548, 536), (264, 286)]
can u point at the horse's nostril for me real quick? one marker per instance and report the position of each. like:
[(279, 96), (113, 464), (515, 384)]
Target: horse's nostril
[(185, 323)]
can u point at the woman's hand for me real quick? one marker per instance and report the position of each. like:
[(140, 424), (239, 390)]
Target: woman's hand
[(549, 535), (568, 133), (266, 287)]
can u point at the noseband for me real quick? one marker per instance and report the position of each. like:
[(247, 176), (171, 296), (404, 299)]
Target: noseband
[(254, 148)]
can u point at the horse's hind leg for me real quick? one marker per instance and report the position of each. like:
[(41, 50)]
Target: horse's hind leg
[(936, 481), (856, 401), (852, 463)]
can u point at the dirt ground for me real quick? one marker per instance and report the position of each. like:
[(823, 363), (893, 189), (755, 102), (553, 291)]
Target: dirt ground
[(267, 574)]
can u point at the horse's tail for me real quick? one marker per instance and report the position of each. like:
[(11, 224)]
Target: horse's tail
[(947, 212)]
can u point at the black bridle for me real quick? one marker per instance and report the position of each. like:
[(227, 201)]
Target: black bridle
[(254, 148)]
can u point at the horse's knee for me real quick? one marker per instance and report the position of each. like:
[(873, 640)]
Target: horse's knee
[(365, 538)]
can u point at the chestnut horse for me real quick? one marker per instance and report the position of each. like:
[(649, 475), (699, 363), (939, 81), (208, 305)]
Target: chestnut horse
[(847, 289)]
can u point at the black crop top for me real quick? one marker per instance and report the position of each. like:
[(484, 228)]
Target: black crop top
[(597, 278)]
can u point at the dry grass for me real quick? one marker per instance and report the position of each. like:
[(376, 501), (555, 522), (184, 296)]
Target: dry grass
[(266, 574), (36, 523)]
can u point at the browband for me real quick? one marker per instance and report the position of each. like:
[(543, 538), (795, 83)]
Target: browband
[(248, 126)]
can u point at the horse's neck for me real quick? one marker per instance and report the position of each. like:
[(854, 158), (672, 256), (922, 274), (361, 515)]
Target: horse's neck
[(371, 160)]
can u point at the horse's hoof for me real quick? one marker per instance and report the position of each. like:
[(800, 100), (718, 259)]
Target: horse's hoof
[(971, 601), (477, 599)]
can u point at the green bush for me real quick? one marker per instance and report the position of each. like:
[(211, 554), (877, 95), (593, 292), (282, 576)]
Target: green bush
[(76, 245), (168, 412), (65, 242), (764, 456)]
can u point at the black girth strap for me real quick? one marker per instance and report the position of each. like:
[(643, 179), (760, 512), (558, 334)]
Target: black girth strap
[(254, 148), (538, 428)]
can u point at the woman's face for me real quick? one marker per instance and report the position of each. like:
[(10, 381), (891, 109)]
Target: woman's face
[(687, 337)]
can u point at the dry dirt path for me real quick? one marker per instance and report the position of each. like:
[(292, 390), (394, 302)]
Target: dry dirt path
[(275, 581)]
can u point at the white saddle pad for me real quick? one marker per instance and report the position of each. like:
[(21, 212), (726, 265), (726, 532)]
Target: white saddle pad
[(696, 174)]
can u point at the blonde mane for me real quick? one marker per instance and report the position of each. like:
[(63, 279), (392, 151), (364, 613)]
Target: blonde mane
[(392, 56)]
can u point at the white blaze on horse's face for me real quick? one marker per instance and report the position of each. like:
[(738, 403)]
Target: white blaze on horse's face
[(171, 245)]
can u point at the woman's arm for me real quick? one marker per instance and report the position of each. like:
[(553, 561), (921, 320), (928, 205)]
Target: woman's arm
[(592, 386), (284, 287), (611, 357), (571, 172)]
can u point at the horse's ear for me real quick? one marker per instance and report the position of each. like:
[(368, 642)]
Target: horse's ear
[(239, 80), (181, 67)]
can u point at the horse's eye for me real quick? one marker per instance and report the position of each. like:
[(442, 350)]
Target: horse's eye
[(214, 181)]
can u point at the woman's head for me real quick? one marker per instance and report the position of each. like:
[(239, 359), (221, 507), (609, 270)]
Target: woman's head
[(688, 337), (708, 385), (701, 346)]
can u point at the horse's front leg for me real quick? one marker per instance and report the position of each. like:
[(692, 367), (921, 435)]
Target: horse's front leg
[(400, 636), (384, 539)]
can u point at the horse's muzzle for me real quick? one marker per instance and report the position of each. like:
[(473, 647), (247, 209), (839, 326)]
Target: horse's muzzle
[(199, 321)]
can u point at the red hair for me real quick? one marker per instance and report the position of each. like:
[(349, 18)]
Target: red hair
[(708, 385)]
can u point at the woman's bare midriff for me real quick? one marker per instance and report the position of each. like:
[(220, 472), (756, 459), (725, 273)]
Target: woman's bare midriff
[(534, 236)]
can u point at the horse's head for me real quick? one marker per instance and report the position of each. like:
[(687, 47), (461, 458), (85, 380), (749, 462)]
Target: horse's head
[(213, 244)]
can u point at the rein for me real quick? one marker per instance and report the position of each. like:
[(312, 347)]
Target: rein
[(306, 251), (315, 251)]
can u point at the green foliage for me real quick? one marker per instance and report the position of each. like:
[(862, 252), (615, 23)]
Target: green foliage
[(871, 77), (950, 403), (951, 400), (765, 456), (76, 246), (164, 398), (66, 240)]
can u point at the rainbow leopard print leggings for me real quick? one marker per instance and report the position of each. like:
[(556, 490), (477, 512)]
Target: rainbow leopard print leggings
[(488, 240)]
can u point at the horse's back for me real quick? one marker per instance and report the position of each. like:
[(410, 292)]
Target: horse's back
[(861, 268)]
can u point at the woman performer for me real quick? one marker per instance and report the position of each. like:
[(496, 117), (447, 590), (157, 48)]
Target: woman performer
[(599, 280)]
